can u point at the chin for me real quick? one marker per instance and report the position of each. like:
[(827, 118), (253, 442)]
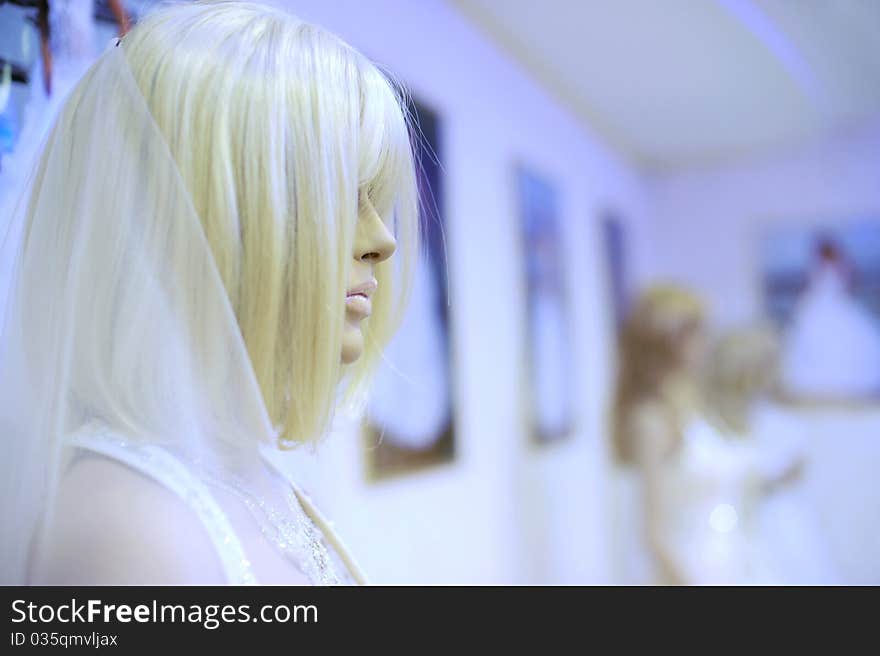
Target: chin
[(352, 347), (350, 357)]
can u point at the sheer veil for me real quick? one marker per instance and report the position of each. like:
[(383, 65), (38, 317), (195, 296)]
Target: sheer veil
[(116, 315)]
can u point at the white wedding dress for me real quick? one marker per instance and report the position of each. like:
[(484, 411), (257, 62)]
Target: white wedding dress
[(788, 522), (300, 532), (832, 348), (705, 498)]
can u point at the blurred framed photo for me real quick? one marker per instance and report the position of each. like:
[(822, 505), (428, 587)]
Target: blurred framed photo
[(822, 287), (410, 422), (614, 247), (547, 311)]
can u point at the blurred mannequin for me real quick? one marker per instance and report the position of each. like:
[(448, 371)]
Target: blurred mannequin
[(742, 373), (698, 490), (832, 348)]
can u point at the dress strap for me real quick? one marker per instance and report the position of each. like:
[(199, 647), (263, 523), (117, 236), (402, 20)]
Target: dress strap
[(330, 538), (160, 465), (330, 535)]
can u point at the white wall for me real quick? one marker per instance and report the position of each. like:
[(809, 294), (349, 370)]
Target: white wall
[(707, 225), (503, 511)]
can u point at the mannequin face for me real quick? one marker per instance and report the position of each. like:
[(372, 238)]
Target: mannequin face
[(372, 244)]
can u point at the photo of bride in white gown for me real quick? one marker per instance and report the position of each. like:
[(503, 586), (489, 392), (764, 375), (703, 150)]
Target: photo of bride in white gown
[(831, 347), (410, 416), (548, 336)]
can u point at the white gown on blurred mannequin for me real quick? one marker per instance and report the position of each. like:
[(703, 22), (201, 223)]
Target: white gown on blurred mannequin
[(786, 520), (704, 504), (832, 349)]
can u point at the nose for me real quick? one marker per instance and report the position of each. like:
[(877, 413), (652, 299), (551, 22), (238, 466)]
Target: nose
[(373, 242)]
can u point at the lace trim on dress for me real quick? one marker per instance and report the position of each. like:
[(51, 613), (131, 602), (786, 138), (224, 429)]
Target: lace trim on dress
[(290, 529)]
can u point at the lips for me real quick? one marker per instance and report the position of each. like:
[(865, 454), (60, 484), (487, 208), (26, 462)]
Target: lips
[(358, 298), (365, 289)]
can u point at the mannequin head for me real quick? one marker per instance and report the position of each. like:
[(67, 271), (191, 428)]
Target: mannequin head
[(662, 342), (296, 151), (664, 335), (742, 368)]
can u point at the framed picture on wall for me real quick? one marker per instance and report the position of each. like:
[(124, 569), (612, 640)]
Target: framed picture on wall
[(548, 364), (410, 418), (614, 247), (821, 285)]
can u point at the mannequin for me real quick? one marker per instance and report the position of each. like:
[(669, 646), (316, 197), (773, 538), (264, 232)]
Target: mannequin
[(697, 490), (215, 284), (742, 368), (741, 377)]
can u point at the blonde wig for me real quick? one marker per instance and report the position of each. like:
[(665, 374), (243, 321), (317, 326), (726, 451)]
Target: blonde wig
[(650, 347), (283, 134), (742, 366)]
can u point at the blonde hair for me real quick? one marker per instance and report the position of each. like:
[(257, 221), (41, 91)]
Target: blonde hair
[(281, 132), (742, 365), (649, 349)]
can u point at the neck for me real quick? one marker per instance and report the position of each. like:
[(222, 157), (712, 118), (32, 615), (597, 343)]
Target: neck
[(679, 390), (681, 396)]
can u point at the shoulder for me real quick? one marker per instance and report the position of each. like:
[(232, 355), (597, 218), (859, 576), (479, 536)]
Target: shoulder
[(115, 526)]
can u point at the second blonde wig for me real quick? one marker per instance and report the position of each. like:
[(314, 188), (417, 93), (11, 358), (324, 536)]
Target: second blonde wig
[(649, 350), (742, 366)]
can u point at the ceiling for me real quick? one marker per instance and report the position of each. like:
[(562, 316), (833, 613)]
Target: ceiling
[(681, 83)]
